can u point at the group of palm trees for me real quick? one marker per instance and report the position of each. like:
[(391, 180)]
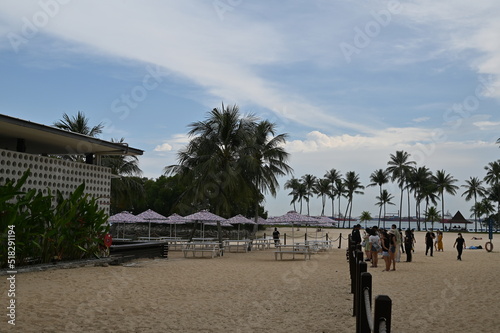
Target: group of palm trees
[(420, 183)]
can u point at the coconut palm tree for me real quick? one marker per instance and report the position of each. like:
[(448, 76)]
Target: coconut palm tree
[(431, 214), (264, 159), (333, 175), (399, 169), (493, 179), (365, 217), (353, 186), (339, 191), (293, 185), (79, 124), (308, 180), (379, 177), (474, 189), (322, 188), (126, 187), (444, 183), (419, 179), (383, 199)]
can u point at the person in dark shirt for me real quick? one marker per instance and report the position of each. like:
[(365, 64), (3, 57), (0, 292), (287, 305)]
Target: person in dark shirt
[(460, 245), (355, 235), (429, 241), (276, 237)]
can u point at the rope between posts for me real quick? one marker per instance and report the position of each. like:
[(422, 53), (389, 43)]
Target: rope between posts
[(346, 238), (369, 318), (336, 239)]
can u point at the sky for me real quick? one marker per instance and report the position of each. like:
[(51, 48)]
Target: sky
[(350, 82)]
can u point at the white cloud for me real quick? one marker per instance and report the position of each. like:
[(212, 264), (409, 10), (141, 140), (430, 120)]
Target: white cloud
[(420, 119), (163, 147), (487, 125)]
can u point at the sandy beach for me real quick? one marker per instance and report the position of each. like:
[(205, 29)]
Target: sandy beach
[(251, 292)]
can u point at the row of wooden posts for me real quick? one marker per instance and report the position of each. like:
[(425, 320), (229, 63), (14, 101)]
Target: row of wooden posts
[(361, 288)]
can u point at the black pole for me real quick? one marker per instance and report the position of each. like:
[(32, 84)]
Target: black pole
[(340, 241), (361, 267), (362, 325), (383, 308), (355, 282)]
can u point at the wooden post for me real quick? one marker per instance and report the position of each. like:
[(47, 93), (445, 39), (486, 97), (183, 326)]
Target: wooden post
[(284, 239), (355, 283), (340, 241), (383, 308), (362, 325)]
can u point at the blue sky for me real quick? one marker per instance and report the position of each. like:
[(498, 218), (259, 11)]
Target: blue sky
[(351, 82)]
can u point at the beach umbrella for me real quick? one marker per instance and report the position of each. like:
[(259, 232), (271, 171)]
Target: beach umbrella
[(294, 217), (204, 216), (152, 217), (124, 217), (239, 220), (176, 219)]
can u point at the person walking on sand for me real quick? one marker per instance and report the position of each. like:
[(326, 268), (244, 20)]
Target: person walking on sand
[(393, 246), (429, 241), (460, 245), (366, 244), (375, 247), (440, 241), (355, 234), (397, 234), (276, 237), (408, 244)]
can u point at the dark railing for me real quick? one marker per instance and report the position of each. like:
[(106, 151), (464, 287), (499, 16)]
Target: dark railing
[(361, 288)]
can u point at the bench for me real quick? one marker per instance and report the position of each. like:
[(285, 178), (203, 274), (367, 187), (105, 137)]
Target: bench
[(243, 244), (211, 248), (293, 250)]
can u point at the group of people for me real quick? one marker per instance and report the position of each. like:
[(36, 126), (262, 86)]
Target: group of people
[(391, 243)]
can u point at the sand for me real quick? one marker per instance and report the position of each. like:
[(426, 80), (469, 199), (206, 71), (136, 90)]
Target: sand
[(251, 292)]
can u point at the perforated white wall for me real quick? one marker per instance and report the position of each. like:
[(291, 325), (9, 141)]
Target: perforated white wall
[(65, 176)]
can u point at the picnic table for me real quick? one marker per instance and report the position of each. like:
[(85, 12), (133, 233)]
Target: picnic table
[(320, 245), (262, 243), (295, 249), (237, 244), (211, 248)]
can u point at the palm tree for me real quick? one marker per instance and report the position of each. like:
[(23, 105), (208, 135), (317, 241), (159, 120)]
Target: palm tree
[(264, 160), (418, 181), (493, 178), (379, 177), (399, 168), (293, 184), (473, 189), (126, 188), (444, 183), (383, 199), (365, 217), (79, 124), (333, 175), (353, 186), (309, 181), (339, 191), (431, 214), (322, 188)]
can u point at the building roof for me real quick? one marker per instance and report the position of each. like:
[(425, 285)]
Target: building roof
[(42, 139)]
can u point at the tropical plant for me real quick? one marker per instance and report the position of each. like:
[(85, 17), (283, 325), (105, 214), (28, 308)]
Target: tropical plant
[(322, 188), (419, 181), (493, 178), (333, 175), (353, 186), (383, 199), (431, 214), (339, 191), (365, 217), (399, 169), (474, 189), (308, 180), (293, 184), (379, 178), (444, 183)]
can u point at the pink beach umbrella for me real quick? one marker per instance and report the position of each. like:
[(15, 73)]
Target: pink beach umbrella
[(294, 217), (152, 217), (204, 216), (124, 217), (239, 220), (176, 219)]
